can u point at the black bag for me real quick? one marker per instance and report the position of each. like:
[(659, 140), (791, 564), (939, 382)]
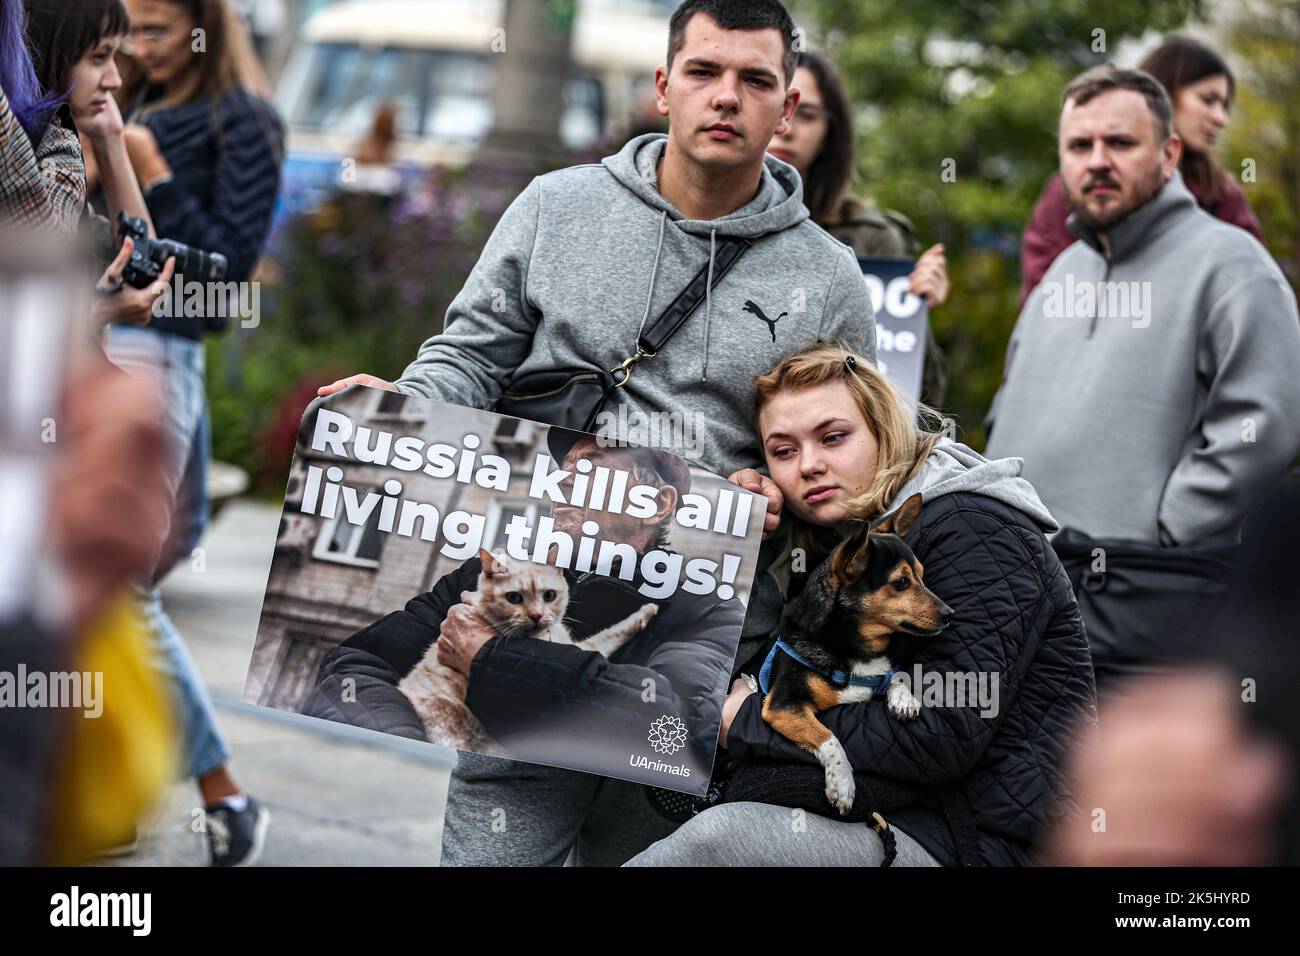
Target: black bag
[(1138, 600), (572, 398)]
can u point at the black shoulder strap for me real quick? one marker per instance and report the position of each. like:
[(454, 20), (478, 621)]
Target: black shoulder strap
[(656, 336)]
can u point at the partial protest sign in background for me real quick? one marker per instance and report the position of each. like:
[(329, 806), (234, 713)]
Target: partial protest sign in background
[(900, 322), (616, 586)]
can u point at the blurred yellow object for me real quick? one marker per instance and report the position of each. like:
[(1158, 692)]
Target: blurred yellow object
[(114, 767)]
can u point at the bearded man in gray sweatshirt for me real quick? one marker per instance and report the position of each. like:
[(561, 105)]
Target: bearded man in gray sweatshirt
[(1152, 382), (581, 262), (1153, 379)]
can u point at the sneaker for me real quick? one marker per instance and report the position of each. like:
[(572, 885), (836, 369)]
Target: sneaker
[(236, 837)]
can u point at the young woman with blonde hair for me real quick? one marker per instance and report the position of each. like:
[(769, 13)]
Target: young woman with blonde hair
[(842, 447)]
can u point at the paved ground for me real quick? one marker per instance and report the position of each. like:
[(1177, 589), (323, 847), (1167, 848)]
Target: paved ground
[(338, 796)]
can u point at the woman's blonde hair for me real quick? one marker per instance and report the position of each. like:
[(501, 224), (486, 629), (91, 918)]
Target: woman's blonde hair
[(893, 418)]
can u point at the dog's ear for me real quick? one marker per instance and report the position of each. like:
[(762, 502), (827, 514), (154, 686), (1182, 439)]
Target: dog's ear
[(850, 559), (809, 612), (900, 520)]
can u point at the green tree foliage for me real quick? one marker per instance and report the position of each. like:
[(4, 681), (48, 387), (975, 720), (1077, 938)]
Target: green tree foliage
[(971, 89), (1264, 137)]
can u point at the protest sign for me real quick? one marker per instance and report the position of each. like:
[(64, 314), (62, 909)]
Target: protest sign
[(900, 322), (605, 588)]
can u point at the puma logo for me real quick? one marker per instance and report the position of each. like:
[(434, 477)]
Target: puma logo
[(753, 309)]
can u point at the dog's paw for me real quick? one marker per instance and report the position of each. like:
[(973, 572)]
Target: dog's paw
[(645, 615), (900, 701), (840, 788)]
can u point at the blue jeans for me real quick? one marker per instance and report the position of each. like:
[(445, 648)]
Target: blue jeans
[(176, 364)]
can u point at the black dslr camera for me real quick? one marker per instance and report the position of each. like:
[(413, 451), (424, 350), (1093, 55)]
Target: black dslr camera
[(150, 256)]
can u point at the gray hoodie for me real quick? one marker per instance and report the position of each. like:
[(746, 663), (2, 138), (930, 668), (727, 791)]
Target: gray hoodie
[(586, 256), (1153, 380), (952, 467)]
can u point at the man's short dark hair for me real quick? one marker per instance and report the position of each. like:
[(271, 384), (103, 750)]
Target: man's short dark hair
[(736, 15), (1103, 79)]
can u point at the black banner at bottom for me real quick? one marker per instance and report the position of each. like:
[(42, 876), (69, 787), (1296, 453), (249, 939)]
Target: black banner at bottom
[(334, 907)]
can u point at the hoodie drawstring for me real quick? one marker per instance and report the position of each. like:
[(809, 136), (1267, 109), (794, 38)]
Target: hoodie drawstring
[(708, 301), (654, 272)]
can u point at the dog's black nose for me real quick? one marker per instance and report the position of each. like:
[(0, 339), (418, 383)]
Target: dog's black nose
[(945, 614)]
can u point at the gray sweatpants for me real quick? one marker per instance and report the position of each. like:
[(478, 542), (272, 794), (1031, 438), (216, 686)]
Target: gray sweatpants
[(510, 813), (759, 834)]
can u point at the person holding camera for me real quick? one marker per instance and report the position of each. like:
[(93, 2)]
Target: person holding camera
[(43, 166), (198, 167), (73, 46), (206, 149), (207, 153)]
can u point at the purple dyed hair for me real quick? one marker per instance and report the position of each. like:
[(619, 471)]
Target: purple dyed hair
[(28, 101)]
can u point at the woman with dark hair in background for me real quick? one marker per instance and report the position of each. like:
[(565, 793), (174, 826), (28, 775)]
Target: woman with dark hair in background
[(42, 177), (73, 44), (206, 148), (1201, 87), (820, 145)]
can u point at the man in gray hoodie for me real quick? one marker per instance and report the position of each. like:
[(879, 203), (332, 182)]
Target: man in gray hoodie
[(586, 257), (581, 262), (1153, 378)]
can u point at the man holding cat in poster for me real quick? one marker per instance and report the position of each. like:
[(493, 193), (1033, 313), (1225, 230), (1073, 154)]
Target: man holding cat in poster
[(581, 261), (551, 702)]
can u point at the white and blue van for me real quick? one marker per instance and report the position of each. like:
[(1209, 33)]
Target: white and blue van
[(432, 60)]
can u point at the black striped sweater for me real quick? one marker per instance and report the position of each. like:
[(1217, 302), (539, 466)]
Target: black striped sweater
[(225, 154)]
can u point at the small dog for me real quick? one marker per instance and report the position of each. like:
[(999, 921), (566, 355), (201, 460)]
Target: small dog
[(839, 639)]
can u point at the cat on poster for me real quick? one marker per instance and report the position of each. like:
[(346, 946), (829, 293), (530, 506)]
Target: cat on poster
[(499, 586)]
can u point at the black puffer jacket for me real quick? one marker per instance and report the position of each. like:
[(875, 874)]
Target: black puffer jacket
[(555, 703), (1016, 618)]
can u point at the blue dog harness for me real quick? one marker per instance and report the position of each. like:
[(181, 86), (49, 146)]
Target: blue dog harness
[(838, 678)]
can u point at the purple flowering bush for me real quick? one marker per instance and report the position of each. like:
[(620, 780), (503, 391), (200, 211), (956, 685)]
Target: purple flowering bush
[(355, 285)]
